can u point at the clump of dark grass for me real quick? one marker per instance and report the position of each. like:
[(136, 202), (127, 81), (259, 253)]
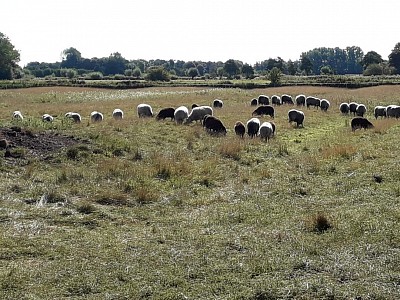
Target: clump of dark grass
[(231, 148), (112, 199), (72, 153), (86, 208), (318, 223)]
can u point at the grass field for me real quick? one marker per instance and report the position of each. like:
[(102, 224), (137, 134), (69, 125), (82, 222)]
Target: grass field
[(140, 209)]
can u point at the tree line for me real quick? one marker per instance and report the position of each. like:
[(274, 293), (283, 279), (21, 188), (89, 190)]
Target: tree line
[(318, 61)]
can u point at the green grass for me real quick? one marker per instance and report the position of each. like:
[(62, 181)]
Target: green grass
[(140, 209)]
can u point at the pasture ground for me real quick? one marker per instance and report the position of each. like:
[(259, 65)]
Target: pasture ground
[(140, 209)]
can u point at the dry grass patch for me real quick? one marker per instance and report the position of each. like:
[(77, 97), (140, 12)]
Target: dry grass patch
[(318, 223), (231, 147), (339, 150), (383, 125)]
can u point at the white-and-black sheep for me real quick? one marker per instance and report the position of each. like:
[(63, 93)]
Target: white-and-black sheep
[(264, 110), (360, 122), (181, 114), (240, 129), (287, 99), (47, 118), (266, 131), (325, 104), (276, 100), (254, 102), (297, 116), (96, 116), (353, 108), (217, 103), (263, 100), (168, 112), (118, 114), (144, 110), (253, 125), (393, 111), (361, 110), (76, 117), (380, 111), (17, 115), (300, 100), (313, 101), (344, 108)]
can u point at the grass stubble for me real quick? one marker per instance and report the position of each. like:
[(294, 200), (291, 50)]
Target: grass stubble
[(154, 210)]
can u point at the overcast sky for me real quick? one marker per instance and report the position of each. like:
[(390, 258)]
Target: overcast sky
[(207, 30)]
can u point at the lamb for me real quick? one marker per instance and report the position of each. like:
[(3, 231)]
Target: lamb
[(217, 103), (181, 114), (287, 99), (240, 129), (300, 100), (47, 118), (96, 116), (198, 113), (344, 108), (254, 102), (164, 113), (276, 100), (118, 114), (353, 107), (393, 111), (380, 111), (144, 110), (266, 131), (325, 104), (296, 116), (361, 110), (17, 115), (74, 116), (313, 101), (213, 125), (263, 100), (194, 105), (264, 110), (253, 125), (360, 122)]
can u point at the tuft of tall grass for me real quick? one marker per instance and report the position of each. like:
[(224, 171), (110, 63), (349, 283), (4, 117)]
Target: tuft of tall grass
[(318, 223), (231, 148), (346, 151)]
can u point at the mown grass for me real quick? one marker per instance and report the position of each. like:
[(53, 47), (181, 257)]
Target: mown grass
[(152, 210)]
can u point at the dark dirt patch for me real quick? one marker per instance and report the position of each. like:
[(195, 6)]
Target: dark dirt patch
[(36, 144)]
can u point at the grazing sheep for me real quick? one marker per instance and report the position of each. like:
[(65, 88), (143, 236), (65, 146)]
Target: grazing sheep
[(118, 114), (240, 129), (253, 125), (325, 104), (198, 113), (254, 102), (263, 100), (361, 110), (360, 122), (144, 110), (47, 118), (266, 131), (276, 100), (181, 114), (344, 108), (380, 111), (17, 115), (164, 113), (296, 116), (353, 107), (213, 125), (393, 111), (96, 116), (313, 101), (74, 116), (264, 110), (217, 103), (300, 100), (287, 99), (194, 105)]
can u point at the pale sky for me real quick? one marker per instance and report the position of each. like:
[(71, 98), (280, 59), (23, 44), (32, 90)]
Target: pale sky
[(206, 30)]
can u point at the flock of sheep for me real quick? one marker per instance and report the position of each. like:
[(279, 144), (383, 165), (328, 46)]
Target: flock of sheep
[(253, 127)]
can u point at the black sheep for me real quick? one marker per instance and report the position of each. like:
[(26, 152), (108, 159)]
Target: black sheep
[(240, 129), (359, 122), (254, 102), (213, 124), (264, 110), (166, 113)]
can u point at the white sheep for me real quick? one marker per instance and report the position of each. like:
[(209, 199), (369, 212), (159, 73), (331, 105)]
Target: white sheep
[(181, 114), (198, 113), (74, 116), (47, 118), (96, 116), (144, 110), (17, 115), (118, 114), (253, 125), (266, 131)]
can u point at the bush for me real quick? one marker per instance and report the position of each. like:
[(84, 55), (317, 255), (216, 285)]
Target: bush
[(95, 75), (158, 74)]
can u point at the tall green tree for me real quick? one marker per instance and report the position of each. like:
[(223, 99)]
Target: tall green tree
[(394, 58), (9, 58), (231, 68), (247, 71), (370, 58), (306, 64), (71, 58)]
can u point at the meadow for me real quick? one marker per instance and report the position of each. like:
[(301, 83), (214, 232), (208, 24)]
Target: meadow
[(146, 209)]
